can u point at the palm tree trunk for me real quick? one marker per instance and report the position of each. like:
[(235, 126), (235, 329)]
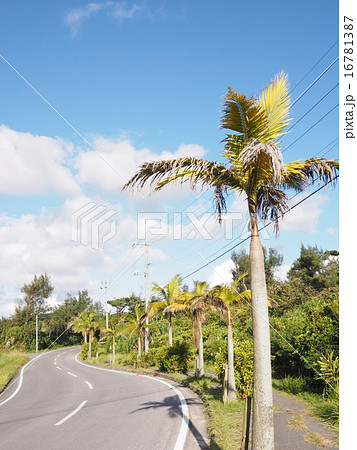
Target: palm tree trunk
[(170, 330), (232, 394), (90, 346), (201, 369), (113, 349), (263, 426), (139, 347)]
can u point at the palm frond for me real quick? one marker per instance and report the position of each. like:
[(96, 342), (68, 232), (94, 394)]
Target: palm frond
[(298, 174), (275, 101)]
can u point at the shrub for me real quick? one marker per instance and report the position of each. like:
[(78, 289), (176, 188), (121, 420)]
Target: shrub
[(294, 385), (175, 359), (243, 365)]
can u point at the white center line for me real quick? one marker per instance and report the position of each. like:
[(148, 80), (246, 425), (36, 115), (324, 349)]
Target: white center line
[(72, 413), (59, 368), (72, 374), (89, 385)]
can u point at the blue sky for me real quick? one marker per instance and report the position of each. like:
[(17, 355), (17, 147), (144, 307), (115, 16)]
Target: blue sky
[(120, 83)]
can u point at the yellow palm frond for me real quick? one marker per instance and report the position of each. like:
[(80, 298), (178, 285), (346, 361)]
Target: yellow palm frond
[(275, 101)]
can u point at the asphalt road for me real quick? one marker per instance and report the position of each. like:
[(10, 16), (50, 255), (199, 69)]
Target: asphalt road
[(63, 404)]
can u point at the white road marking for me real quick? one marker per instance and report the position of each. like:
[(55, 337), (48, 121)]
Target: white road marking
[(72, 413), (59, 368), (89, 385), (21, 378), (180, 442), (55, 363), (72, 374)]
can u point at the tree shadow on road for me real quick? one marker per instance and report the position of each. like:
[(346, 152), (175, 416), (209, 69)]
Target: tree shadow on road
[(173, 406)]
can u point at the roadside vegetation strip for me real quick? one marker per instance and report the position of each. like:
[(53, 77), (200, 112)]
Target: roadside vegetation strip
[(10, 363)]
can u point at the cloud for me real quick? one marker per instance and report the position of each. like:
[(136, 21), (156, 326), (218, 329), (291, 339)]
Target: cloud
[(304, 218), (119, 11), (116, 160), (34, 165), (221, 274), (75, 18)]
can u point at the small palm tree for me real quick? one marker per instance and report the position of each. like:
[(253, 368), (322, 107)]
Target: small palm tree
[(136, 324), (196, 303), (223, 298), (255, 168), (167, 295), (87, 324), (111, 334)]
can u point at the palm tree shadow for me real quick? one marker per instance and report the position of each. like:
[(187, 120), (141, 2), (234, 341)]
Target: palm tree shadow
[(173, 407)]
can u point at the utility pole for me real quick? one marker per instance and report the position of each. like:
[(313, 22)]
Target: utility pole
[(146, 294), (146, 275), (36, 333), (106, 303)]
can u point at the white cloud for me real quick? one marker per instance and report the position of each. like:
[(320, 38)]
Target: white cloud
[(75, 18), (119, 11), (221, 274), (114, 161), (34, 165), (304, 218)]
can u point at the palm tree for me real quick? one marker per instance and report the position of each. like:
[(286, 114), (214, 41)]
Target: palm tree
[(136, 324), (111, 334), (86, 324), (224, 297), (254, 168), (196, 303), (168, 295)]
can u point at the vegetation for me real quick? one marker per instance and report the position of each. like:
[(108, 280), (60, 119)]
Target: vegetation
[(10, 362)]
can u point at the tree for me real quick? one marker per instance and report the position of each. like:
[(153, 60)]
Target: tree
[(111, 334), (272, 260), (136, 323), (167, 295), (86, 323), (223, 298), (35, 294), (315, 267), (196, 303), (126, 304), (254, 168)]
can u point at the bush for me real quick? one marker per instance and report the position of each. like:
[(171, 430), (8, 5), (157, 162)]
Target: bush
[(294, 385), (85, 348), (243, 365), (175, 359)]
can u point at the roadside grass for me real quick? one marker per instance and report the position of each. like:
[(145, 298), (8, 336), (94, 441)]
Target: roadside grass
[(324, 408), (10, 363)]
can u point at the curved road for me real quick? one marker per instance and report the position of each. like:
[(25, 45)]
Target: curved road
[(64, 404)]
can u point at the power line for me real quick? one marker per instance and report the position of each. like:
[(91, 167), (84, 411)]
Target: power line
[(322, 98), (314, 125), (313, 67), (314, 82), (260, 229)]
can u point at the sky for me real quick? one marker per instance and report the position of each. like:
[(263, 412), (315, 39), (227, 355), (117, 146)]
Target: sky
[(91, 90)]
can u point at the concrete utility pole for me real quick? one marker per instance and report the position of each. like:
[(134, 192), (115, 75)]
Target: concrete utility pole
[(36, 333), (146, 294), (146, 275), (106, 303)]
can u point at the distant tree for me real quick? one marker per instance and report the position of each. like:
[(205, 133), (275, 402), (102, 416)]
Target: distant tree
[(196, 302), (87, 324), (126, 305), (315, 267), (223, 298), (136, 324), (167, 295), (272, 260), (35, 294)]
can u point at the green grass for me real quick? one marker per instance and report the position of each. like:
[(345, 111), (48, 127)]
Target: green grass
[(10, 362)]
